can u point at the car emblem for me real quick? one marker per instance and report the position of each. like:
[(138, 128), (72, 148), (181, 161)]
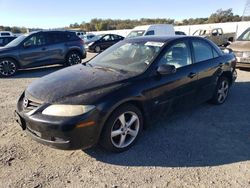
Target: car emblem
[(25, 103)]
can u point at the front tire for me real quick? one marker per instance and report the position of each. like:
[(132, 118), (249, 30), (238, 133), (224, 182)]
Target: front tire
[(221, 92), (122, 129), (73, 58), (8, 67), (97, 49)]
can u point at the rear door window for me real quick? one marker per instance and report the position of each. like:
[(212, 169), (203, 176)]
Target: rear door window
[(202, 51), (107, 38), (116, 37), (178, 55), (56, 37)]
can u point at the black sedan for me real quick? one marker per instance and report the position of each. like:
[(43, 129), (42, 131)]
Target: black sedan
[(104, 42), (109, 99)]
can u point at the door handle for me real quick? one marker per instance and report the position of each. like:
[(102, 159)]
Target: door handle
[(44, 48), (192, 74)]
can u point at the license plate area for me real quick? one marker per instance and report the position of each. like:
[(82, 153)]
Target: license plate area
[(20, 121), (243, 60)]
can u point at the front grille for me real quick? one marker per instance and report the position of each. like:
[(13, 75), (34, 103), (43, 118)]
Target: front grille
[(33, 105), (29, 105), (238, 54)]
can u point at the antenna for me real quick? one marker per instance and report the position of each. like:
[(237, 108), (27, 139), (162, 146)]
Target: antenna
[(246, 13)]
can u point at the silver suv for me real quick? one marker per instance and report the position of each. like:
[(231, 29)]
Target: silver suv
[(41, 48)]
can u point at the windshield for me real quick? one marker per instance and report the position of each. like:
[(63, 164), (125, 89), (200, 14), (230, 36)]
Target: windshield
[(245, 36), (128, 56), (136, 33), (201, 32), (16, 41)]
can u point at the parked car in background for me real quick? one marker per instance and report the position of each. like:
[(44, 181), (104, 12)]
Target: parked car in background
[(104, 42), (157, 29), (41, 48), (89, 37), (111, 99), (180, 33), (80, 34), (6, 40), (241, 49), (5, 33), (216, 35)]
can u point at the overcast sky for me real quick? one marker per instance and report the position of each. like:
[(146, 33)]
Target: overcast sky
[(60, 13)]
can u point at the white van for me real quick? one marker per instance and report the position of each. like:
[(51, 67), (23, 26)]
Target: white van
[(158, 29), (5, 33)]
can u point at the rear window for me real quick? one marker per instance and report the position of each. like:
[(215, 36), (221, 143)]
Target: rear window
[(135, 33)]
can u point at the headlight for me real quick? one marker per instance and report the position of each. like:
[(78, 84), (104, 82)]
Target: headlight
[(246, 54), (67, 110)]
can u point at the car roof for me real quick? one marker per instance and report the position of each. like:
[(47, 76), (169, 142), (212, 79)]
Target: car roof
[(52, 30), (162, 38)]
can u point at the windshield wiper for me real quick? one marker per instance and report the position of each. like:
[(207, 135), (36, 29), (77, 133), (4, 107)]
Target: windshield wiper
[(110, 69), (87, 63)]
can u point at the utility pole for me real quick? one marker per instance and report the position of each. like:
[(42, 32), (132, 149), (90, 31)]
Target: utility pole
[(246, 13)]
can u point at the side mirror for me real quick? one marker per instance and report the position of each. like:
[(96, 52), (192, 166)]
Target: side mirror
[(165, 69)]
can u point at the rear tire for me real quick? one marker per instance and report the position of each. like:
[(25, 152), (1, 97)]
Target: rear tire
[(73, 58), (8, 67), (122, 129), (221, 91)]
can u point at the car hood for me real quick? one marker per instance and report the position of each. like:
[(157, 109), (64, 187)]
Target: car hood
[(78, 80), (241, 46), (6, 49)]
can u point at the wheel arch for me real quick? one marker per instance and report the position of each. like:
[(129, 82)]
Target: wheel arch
[(73, 50), (136, 103), (228, 75), (12, 58), (133, 102)]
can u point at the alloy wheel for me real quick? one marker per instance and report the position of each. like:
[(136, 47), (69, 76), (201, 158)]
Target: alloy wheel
[(97, 49), (223, 91), (125, 129), (7, 68), (74, 59)]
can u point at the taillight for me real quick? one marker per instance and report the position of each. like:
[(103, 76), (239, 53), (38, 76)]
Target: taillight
[(81, 42)]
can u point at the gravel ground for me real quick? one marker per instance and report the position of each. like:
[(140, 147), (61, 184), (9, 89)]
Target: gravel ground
[(203, 147)]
